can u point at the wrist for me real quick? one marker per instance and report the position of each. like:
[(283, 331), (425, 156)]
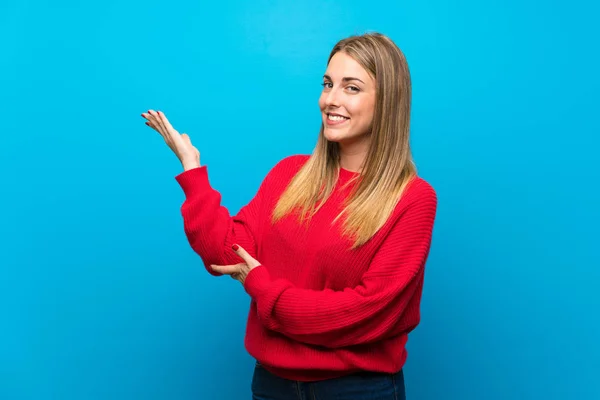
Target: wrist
[(187, 165)]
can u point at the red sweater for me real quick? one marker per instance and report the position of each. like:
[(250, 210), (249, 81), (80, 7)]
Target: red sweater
[(319, 309)]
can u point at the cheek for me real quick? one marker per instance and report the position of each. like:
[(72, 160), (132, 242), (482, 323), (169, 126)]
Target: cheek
[(365, 109), (322, 102), (358, 108)]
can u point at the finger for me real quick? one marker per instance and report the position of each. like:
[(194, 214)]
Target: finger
[(227, 269), (147, 117), (163, 119), (161, 122), (152, 125), (170, 132), (240, 251), (157, 120), (155, 124)]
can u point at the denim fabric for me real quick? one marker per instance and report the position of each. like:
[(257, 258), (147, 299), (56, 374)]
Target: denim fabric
[(358, 386)]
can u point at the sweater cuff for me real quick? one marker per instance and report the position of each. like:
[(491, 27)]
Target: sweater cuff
[(257, 282), (193, 180)]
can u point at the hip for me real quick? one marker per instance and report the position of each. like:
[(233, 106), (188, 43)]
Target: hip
[(356, 386)]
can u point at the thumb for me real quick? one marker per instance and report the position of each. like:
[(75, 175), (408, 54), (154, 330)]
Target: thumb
[(226, 269), (188, 141)]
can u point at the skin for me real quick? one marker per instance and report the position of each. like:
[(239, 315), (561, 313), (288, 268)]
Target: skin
[(180, 144), (348, 91), (189, 157)]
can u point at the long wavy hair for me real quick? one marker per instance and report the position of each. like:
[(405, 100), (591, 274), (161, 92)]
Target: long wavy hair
[(388, 166)]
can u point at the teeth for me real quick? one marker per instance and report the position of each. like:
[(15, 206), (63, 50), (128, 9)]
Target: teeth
[(336, 118)]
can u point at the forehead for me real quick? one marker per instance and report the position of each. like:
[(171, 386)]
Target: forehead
[(342, 65)]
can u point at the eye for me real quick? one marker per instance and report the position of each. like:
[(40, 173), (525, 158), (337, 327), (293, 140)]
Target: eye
[(327, 85), (354, 89)]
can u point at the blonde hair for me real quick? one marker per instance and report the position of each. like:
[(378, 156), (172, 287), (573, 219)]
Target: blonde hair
[(388, 166)]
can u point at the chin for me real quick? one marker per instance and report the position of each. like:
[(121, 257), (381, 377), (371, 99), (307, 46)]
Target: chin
[(345, 138), (333, 136)]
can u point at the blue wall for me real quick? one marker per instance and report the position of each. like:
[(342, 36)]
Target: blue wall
[(100, 295)]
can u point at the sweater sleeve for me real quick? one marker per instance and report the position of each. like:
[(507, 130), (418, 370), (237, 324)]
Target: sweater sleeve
[(208, 225), (384, 304)]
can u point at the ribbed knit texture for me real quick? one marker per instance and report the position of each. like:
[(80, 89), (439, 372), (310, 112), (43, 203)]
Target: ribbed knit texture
[(319, 309)]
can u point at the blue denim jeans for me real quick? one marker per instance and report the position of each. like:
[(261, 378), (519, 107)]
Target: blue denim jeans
[(358, 386)]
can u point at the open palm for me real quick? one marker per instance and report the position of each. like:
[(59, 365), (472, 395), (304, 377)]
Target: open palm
[(180, 144)]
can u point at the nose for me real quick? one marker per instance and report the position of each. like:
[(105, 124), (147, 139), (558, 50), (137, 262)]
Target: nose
[(332, 98)]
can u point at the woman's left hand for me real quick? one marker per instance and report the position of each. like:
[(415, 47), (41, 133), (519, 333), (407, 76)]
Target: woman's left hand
[(238, 271)]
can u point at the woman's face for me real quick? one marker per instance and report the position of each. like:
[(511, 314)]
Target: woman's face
[(347, 101)]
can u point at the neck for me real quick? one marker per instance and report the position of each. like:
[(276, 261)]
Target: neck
[(352, 157)]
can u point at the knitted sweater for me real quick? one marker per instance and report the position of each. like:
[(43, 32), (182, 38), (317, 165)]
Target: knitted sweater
[(319, 309)]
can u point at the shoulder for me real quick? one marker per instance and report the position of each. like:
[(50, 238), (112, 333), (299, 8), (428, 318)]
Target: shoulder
[(415, 213), (419, 196), (288, 166), (283, 172), (420, 189), (295, 161)]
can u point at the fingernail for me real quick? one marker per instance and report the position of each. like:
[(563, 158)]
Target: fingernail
[(235, 247)]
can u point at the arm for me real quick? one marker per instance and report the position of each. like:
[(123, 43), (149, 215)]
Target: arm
[(384, 304), (209, 227), (207, 224)]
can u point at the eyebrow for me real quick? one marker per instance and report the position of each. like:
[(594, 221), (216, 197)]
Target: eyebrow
[(345, 79)]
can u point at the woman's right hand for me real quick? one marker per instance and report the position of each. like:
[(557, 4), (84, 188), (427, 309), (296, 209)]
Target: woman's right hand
[(180, 144)]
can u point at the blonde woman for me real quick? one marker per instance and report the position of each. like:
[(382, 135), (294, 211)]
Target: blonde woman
[(332, 248)]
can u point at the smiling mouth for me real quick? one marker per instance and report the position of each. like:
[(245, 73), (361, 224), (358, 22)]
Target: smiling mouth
[(336, 118)]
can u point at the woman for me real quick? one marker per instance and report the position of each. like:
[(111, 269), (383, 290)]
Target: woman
[(332, 248)]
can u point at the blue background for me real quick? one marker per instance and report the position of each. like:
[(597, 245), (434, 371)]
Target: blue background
[(101, 296)]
